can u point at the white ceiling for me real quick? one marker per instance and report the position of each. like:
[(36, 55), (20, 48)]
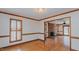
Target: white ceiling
[(29, 12)]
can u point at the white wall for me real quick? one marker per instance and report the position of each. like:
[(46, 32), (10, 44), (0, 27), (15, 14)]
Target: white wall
[(4, 30), (4, 25), (29, 26), (75, 44), (74, 26)]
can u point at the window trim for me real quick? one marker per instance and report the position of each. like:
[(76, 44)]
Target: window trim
[(15, 30)]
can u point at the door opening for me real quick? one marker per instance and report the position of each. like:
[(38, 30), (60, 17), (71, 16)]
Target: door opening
[(62, 33)]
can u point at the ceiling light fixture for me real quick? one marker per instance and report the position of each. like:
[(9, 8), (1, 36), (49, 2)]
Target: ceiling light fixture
[(40, 10), (64, 23)]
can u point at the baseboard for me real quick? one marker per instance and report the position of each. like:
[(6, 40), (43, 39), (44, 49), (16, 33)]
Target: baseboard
[(23, 43), (74, 50)]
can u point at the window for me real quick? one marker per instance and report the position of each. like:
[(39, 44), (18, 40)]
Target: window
[(66, 30), (15, 30), (60, 29)]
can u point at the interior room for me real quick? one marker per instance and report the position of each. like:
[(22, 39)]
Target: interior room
[(39, 29), (59, 31)]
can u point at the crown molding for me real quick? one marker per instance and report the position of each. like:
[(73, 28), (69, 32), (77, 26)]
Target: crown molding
[(42, 18), (19, 15), (60, 14)]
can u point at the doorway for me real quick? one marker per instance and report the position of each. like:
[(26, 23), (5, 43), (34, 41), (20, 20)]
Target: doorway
[(61, 28)]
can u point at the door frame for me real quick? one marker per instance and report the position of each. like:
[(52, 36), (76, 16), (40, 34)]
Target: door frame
[(63, 29)]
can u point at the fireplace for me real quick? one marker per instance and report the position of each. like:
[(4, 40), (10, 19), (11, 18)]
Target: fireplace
[(52, 34)]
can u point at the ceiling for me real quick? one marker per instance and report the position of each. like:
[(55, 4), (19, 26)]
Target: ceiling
[(29, 12)]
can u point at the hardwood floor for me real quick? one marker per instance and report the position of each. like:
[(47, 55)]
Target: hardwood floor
[(38, 45), (56, 44)]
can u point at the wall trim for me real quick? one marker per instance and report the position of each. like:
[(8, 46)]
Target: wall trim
[(19, 15), (75, 37), (31, 18), (3, 36), (73, 50), (60, 14), (32, 33), (62, 35)]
